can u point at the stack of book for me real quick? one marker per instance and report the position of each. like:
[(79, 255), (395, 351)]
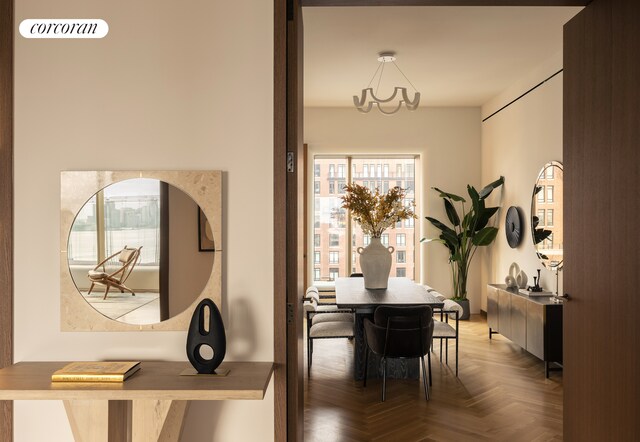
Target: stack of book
[(95, 372)]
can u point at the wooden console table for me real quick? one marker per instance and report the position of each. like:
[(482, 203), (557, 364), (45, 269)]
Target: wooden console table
[(149, 406)]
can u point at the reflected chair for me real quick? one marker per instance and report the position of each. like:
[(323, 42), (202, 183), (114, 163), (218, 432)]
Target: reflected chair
[(126, 262), (399, 332)]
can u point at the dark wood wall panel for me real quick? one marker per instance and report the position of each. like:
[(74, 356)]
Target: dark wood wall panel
[(6, 205), (445, 2), (602, 175), (280, 219)]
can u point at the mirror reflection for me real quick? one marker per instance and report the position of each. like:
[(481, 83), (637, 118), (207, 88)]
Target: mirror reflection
[(139, 251), (547, 215)]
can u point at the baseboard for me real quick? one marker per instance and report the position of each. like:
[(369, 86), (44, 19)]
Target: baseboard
[(483, 313)]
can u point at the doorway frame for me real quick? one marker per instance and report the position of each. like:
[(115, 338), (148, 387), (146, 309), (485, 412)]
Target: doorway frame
[(286, 14)]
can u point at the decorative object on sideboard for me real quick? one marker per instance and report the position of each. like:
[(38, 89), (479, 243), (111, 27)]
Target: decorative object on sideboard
[(375, 212), (365, 106), (469, 231), (206, 336), (513, 227), (517, 278), (536, 284)]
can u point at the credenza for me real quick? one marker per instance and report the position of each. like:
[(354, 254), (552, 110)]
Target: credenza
[(532, 322), (148, 407)]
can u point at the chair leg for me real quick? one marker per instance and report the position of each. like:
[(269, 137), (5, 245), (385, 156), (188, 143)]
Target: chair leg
[(429, 360), (446, 352), (384, 378), (308, 356), (440, 349), (366, 366), (456, 357), (93, 284), (424, 379), (106, 292)]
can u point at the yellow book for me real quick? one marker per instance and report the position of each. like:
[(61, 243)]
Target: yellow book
[(95, 372)]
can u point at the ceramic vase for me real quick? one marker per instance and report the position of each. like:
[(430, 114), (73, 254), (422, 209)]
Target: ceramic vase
[(375, 262)]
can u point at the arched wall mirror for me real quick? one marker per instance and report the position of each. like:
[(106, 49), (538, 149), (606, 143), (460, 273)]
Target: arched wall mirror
[(139, 251), (547, 216)]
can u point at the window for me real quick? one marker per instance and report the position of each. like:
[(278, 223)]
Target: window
[(549, 172), (549, 194), (401, 272), (549, 217), (409, 223), (131, 217), (336, 240), (541, 217), (540, 190), (410, 186)]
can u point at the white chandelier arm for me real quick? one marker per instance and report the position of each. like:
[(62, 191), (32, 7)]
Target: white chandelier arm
[(380, 100), (390, 112), (411, 105), (363, 98)]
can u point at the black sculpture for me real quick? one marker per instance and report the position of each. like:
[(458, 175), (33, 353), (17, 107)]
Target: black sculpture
[(212, 336)]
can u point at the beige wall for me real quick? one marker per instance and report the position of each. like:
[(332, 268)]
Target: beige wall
[(166, 89), (516, 143), (448, 142)]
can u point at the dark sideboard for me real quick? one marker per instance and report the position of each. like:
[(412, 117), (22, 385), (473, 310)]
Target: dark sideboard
[(534, 323)]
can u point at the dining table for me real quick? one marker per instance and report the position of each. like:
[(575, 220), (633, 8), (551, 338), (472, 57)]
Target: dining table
[(351, 293)]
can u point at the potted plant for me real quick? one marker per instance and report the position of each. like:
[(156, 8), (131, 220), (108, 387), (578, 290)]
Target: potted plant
[(469, 230), (375, 212)]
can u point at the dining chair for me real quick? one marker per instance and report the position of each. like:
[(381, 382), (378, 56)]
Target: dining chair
[(442, 330), (399, 332)]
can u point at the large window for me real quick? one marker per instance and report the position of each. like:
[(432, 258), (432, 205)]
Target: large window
[(332, 228), (130, 215)]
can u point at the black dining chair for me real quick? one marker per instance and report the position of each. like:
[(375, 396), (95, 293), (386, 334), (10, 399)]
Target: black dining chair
[(399, 332)]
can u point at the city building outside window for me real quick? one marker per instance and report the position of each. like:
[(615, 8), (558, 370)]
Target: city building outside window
[(401, 272), (541, 195), (334, 237), (549, 194), (541, 218), (549, 216)]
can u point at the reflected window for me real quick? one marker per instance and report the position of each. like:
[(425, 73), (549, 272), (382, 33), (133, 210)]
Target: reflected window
[(541, 194), (550, 217), (549, 194)]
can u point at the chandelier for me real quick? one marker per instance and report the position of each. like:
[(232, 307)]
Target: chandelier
[(365, 104)]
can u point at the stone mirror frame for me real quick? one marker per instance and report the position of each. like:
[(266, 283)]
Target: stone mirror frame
[(204, 187)]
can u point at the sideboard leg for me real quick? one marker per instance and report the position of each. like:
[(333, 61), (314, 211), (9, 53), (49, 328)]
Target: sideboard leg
[(158, 420)]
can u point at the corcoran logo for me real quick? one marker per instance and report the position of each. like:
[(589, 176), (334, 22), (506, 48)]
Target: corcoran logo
[(64, 28)]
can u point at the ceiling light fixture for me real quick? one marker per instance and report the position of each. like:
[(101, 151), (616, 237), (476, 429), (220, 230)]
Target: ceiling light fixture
[(365, 106)]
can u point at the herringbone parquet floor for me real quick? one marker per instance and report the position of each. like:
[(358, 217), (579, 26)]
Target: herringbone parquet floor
[(501, 395)]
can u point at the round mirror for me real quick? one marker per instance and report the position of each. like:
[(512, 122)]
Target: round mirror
[(547, 214), (138, 251)]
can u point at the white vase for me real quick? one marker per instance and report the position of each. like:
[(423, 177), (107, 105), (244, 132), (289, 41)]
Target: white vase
[(375, 262)]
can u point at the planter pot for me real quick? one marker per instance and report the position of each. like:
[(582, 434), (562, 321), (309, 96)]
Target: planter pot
[(375, 262), (466, 311)]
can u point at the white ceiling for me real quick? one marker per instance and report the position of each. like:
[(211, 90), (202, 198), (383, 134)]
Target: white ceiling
[(455, 56)]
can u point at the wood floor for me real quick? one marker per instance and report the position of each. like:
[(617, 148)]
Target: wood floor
[(501, 395)]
